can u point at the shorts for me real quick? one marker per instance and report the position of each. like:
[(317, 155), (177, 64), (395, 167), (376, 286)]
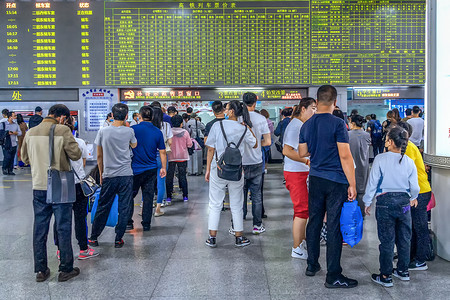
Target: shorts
[(296, 183)]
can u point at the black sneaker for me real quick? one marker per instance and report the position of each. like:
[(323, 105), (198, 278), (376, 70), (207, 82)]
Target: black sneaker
[(146, 228), (211, 242), (404, 276), (379, 279), (342, 282), (129, 227), (93, 243), (417, 266), (63, 276), (43, 276), (119, 244), (242, 241), (11, 173), (311, 271)]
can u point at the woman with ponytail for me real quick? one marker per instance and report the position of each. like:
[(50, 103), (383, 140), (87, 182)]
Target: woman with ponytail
[(223, 133), (360, 141), (393, 179), (296, 172)]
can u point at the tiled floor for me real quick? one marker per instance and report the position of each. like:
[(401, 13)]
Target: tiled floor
[(172, 262)]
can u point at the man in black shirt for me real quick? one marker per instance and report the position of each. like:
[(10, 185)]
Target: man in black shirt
[(218, 111), (37, 118)]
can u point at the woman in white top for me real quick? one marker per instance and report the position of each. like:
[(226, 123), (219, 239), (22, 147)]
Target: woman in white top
[(166, 130), (217, 143), (296, 171)]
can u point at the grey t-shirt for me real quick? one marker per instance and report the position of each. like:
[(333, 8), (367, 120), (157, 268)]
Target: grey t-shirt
[(115, 142), (359, 141)]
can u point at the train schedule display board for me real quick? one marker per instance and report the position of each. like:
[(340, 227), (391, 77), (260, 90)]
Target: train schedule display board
[(211, 43)]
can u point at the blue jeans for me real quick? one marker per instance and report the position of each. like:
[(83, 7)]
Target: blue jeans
[(420, 242), (252, 182), (161, 182), (123, 187), (393, 214), (325, 196), (63, 220)]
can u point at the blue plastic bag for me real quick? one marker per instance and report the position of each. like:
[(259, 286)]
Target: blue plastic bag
[(351, 223), (113, 214)]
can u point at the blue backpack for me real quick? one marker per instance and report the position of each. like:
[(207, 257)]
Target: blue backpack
[(377, 130)]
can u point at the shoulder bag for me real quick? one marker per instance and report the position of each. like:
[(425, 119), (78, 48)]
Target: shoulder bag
[(60, 185), (166, 141)]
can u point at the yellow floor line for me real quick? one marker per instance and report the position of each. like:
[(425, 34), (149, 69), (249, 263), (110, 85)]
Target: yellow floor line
[(5, 187)]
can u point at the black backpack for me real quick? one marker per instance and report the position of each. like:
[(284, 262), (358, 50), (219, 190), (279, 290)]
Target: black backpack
[(229, 165), (5, 140)]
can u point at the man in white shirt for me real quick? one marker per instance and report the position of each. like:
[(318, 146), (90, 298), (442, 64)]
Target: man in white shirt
[(252, 162), (418, 126)]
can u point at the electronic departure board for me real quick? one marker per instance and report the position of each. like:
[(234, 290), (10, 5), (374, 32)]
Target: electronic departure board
[(211, 43)]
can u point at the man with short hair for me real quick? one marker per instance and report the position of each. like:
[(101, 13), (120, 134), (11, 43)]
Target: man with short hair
[(172, 111), (252, 163), (324, 138), (116, 175), (418, 126), (10, 147), (189, 111), (5, 112), (195, 127), (408, 115), (35, 152), (36, 119), (219, 114), (144, 164)]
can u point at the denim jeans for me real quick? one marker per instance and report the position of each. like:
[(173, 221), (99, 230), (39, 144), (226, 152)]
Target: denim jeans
[(252, 182), (63, 219), (8, 158), (161, 182), (325, 196), (112, 186), (393, 214), (80, 210), (146, 182), (420, 241), (182, 180)]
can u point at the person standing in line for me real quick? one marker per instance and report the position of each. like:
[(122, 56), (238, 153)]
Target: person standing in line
[(35, 151), (23, 128), (266, 149), (10, 148), (5, 112), (420, 241), (178, 158), (217, 143), (408, 115), (186, 118), (166, 117), (281, 127), (393, 180), (324, 138), (79, 207), (171, 111), (217, 108), (37, 118), (296, 172), (150, 142), (166, 130), (418, 126), (109, 120), (359, 141), (135, 120), (252, 163), (116, 175), (376, 134)]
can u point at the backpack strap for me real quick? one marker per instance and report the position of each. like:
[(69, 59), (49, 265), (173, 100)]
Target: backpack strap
[(51, 138), (242, 138), (223, 132)]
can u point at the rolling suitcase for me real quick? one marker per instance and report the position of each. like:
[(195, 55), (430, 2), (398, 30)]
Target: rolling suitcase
[(195, 163)]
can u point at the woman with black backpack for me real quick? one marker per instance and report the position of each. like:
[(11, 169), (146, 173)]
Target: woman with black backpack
[(225, 143)]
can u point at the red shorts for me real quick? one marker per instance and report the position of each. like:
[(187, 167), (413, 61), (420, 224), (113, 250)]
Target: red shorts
[(298, 189)]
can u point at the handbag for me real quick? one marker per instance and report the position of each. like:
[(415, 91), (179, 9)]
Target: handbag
[(60, 184), (166, 142), (88, 185), (351, 223), (113, 216)]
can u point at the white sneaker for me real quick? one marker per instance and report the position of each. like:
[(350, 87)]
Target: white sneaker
[(303, 245), (299, 252), (258, 229), (231, 231)]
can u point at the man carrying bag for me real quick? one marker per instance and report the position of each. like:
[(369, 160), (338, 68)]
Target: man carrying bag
[(35, 151)]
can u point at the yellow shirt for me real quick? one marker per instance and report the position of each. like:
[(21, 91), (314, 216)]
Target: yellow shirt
[(413, 152)]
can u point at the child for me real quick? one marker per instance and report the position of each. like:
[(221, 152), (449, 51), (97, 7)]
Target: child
[(393, 179)]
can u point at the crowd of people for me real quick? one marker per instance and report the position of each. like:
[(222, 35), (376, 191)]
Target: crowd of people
[(326, 163)]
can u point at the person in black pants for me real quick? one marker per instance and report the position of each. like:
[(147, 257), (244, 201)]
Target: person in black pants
[(182, 180), (10, 146), (324, 138), (146, 182)]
